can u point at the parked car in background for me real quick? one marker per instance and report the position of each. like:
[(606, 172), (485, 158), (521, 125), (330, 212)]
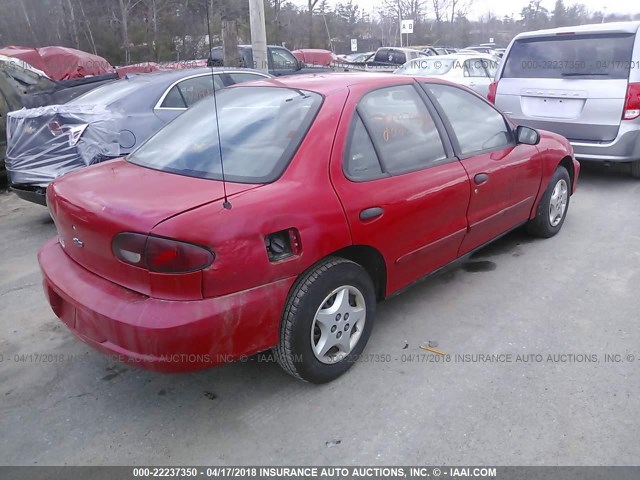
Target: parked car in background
[(315, 57), (108, 122), (445, 50), (386, 59), (486, 49), (280, 60), (429, 51), (22, 86), (60, 63), (359, 57), (474, 71), (338, 191), (582, 82)]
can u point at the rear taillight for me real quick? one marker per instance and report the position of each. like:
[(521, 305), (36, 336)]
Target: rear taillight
[(632, 102), (161, 255), (73, 132), (493, 88)]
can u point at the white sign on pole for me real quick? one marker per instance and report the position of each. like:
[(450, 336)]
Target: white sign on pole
[(354, 44), (406, 26), (491, 40)]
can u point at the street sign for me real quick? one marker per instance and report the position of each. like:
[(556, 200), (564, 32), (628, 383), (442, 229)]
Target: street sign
[(406, 26), (354, 44), (491, 40)]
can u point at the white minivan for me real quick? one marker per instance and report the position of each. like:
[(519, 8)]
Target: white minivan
[(582, 82)]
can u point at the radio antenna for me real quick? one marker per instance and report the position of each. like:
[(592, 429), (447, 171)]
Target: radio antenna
[(226, 204)]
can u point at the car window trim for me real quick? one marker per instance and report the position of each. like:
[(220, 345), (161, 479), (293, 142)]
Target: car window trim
[(440, 126), (218, 73), (273, 62), (448, 151), (347, 149), (292, 152), (452, 136)]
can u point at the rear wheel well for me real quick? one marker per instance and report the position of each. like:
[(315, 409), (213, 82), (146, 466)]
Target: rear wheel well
[(567, 163), (372, 261)]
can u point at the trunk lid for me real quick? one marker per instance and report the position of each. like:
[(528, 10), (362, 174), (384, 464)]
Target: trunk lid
[(91, 206)]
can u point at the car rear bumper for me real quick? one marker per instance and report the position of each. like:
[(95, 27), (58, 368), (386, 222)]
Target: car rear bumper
[(31, 194), (624, 148), (160, 335)]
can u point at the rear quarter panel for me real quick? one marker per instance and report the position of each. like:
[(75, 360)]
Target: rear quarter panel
[(303, 198)]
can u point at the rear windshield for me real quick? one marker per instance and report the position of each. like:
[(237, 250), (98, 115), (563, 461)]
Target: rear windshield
[(566, 56), (260, 130), (389, 55), (107, 94), (422, 66)]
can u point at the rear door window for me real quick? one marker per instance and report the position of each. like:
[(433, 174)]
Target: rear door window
[(474, 68), (362, 162), (194, 89), (565, 56), (189, 91), (402, 129)]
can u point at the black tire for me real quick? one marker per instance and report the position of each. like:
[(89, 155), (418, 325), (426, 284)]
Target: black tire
[(635, 169), (541, 226), (294, 351)]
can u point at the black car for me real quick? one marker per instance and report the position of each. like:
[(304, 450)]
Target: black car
[(280, 61)]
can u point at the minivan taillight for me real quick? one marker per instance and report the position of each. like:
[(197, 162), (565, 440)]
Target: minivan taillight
[(632, 103), (493, 89), (161, 255)]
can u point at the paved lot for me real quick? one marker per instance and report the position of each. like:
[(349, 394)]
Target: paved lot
[(578, 293)]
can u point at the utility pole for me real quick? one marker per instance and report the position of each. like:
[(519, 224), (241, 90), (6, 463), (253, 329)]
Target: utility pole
[(400, 20), (258, 35)]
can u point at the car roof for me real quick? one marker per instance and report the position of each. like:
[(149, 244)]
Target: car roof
[(328, 83), (400, 49), (614, 27), (456, 56), (170, 76)]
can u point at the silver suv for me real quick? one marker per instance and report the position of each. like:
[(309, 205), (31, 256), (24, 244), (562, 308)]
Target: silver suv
[(581, 82)]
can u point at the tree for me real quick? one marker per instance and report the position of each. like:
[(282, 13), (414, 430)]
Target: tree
[(126, 6), (534, 16), (559, 14), (439, 10)]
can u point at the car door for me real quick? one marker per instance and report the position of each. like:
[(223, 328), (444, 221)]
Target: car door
[(475, 76), (282, 62), (403, 191), (504, 176), (184, 93)]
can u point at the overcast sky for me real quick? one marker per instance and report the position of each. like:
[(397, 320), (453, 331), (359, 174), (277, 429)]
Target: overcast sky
[(503, 7)]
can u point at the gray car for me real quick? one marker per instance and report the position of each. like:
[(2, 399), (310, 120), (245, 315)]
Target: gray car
[(108, 122), (581, 82)]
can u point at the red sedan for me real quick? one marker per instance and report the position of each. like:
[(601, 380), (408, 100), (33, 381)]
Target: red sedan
[(340, 190)]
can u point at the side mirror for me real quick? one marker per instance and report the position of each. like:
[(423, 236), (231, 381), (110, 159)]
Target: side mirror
[(527, 135)]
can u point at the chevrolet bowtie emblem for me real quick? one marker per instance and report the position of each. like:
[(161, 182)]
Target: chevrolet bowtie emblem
[(77, 242)]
